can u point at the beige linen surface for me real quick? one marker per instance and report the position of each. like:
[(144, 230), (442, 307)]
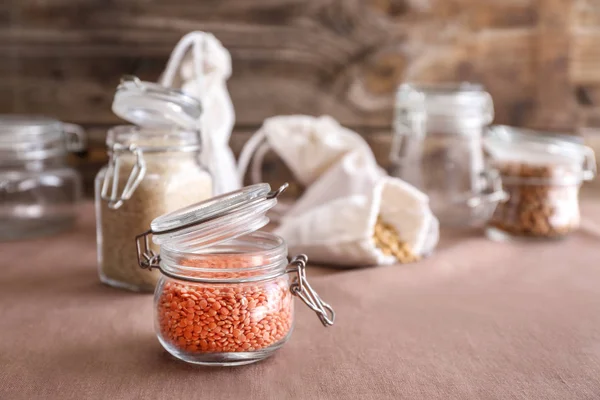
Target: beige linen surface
[(478, 320)]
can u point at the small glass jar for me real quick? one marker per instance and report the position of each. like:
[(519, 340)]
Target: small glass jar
[(437, 147), (225, 294), (542, 174), (38, 190), (153, 169)]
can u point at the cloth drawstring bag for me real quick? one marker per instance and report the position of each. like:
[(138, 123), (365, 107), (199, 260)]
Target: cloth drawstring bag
[(348, 200), (200, 66), (307, 145)]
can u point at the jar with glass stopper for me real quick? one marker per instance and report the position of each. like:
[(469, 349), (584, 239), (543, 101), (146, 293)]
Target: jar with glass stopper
[(437, 147), (39, 191), (154, 167)]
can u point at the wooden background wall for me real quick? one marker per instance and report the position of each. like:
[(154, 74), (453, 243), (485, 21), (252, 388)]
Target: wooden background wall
[(540, 59)]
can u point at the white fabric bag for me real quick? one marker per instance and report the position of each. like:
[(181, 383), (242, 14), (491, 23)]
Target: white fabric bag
[(200, 66), (356, 173), (334, 220), (340, 232), (307, 145)]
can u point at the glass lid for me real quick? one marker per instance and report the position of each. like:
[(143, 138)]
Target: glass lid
[(149, 104), (29, 137), (463, 99), (531, 146), (216, 220), (27, 128)]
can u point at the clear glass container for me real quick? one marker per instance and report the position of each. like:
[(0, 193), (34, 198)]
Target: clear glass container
[(541, 173), (225, 294), (591, 138), (437, 147), (153, 169), (39, 191)]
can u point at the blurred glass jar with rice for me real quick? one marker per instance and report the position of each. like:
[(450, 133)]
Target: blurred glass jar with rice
[(437, 147), (154, 168)]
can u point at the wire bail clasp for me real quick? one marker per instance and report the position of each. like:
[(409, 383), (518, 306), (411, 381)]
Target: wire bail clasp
[(147, 258), (75, 139), (301, 288), (492, 193), (589, 167), (111, 177)]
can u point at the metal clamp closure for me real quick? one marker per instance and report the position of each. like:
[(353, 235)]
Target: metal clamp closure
[(125, 79), (147, 258), (112, 174), (403, 128), (301, 288), (492, 192), (74, 137), (589, 167)]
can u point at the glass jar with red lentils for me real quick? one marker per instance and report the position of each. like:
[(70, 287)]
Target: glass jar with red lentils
[(225, 292)]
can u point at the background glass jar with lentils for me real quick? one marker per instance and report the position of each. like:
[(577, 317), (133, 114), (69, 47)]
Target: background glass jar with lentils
[(225, 292), (542, 174)]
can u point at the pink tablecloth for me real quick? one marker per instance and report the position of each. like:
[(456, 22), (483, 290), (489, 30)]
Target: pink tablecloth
[(478, 320)]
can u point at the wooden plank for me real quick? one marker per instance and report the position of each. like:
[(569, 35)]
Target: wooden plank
[(343, 58), (586, 14), (279, 67), (502, 60), (9, 64), (585, 57), (505, 64), (503, 14), (76, 89), (555, 102), (81, 88), (70, 13), (7, 13), (274, 79), (584, 68)]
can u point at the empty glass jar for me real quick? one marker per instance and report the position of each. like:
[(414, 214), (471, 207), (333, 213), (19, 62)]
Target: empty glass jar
[(437, 147), (542, 173), (153, 168), (38, 190), (225, 292)]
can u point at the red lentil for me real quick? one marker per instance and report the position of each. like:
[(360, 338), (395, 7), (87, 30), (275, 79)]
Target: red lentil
[(236, 317)]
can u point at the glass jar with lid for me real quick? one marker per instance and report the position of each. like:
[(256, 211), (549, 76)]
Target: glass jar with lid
[(225, 292), (542, 173), (154, 167), (38, 189), (437, 147)]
